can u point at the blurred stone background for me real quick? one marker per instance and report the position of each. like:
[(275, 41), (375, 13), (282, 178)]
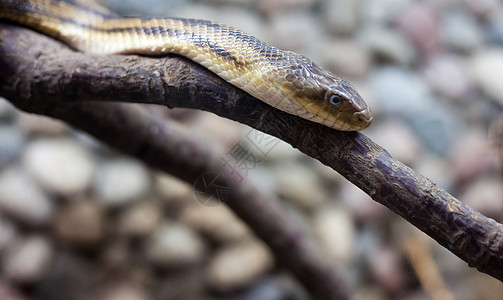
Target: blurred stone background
[(81, 221)]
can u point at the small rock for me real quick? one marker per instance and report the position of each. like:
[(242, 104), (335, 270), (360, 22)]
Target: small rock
[(460, 31), (27, 260), (9, 292), (435, 168), (387, 44), (174, 245), (32, 124), (172, 189), (125, 291), (400, 92), (218, 222), (382, 11), (420, 23), (482, 8), (298, 31), (238, 265), (267, 147), (21, 198), (336, 231), (361, 205), (81, 223), (495, 27), (298, 185), (11, 144), (341, 17), (386, 267), (275, 288), (482, 196), (346, 58), (8, 233), (487, 69), (141, 219), (121, 181), (7, 110), (447, 75), (278, 6), (217, 129), (471, 156), (399, 140), (60, 165)]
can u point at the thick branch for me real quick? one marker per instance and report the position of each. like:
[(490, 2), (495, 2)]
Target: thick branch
[(30, 75), (169, 146)]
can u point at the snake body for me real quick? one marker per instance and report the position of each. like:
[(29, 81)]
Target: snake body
[(283, 79)]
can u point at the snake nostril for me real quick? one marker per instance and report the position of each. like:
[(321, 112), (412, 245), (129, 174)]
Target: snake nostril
[(360, 119)]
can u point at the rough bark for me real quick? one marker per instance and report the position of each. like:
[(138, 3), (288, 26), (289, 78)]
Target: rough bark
[(32, 78)]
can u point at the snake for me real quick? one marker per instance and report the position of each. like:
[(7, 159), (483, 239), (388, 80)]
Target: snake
[(283, 79)]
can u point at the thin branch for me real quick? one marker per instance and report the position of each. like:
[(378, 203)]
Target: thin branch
[(31, 75)]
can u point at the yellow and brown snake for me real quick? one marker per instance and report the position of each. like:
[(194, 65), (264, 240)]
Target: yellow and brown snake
[(283, 79)]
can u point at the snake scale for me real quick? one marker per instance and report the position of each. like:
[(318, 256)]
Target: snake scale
[(283, 79)]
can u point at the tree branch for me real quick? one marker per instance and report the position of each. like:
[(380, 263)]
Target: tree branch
[(169, 146), (30, 76)]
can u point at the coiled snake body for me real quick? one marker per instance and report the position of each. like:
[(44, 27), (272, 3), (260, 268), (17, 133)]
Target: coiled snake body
[(283, 79)]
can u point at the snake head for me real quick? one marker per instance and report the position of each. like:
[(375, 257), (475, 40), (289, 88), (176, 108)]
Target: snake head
[(343, 108), (327, 99)]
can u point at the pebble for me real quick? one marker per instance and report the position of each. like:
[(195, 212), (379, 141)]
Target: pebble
[(125, 291), (461, 32), (11, 143), (174, 245), (487, 69), (269, 148), (298, 185), (32, 124), (346, 58), (400, 92), (280, 6), (221, 131), (336, 232), (420, 23), (7, 110), (172, 189), (22, 199), (61, 166), (386, 267), (10, 292), (218, 223), (448, 75), (436, 168), (399, 140), (27, 260), (238, 265), (8, 233), (361, 206), (81, 223), (297, 31), (471, 156), (383, 11), (341, 17), (387, 45), (120, 181), (481, 195), (482, 8), (495, 27), (141, 219)]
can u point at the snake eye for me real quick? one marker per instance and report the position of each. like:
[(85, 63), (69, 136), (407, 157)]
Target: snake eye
[(335, 101)]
